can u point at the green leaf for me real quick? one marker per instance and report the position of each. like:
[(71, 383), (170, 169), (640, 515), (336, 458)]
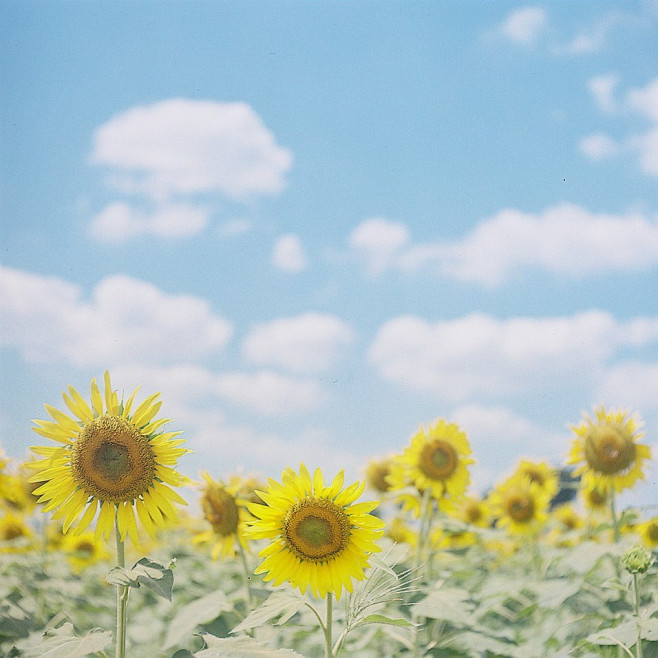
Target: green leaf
[(448, 604), (152, 574), (64, 643), (282, 604), (239, 647), (199, 611), (382, 619)]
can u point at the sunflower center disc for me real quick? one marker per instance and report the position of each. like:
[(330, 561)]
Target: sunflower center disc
[(438, 460), (608, 450), (221, 511), (521, 509), (316, 529), (111, 460)]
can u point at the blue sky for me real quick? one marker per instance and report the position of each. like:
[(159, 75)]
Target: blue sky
[(315, 226)]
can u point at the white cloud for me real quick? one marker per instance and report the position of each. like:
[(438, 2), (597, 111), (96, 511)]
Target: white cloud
[(565, 239), (603, 88), (478, 355), (124, 320), (378, 242), (642, 101), (270, 393), (599, 147), (120, 222), (524, 26), (234, 227), (629, 384), (181, 146), (307, 343), (288, 254)]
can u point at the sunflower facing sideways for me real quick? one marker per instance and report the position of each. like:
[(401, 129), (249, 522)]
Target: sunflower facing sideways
[(111, 460), (320, 537), (607, 450), (226, 514), (436, 459)]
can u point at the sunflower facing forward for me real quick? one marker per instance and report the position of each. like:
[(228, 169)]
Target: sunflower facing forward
[(110, 460), (520, 505), (437, 460), (607, 450), (320, 538)]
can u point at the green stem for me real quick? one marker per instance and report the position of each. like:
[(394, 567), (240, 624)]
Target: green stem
[(246, 574), (636, 608), (122, 595), (613, 512), (328, 646)]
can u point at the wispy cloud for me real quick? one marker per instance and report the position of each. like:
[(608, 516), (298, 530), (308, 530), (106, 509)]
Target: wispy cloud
[(307, 343), (479, 355), (641, 101), (524, 26), (566, 240)]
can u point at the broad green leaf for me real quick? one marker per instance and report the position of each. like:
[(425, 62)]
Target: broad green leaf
[(448, 604), (199, 611), (63, 643), (240, 647), (280, 606), (150, 573)]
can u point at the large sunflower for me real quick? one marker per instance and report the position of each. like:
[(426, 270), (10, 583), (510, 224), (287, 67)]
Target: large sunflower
[(520, 505), (320, 538), (607, 450), (226, 514), (111, 460), (437, 460)]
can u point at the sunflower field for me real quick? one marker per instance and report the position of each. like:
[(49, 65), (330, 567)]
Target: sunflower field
[(100, 555)]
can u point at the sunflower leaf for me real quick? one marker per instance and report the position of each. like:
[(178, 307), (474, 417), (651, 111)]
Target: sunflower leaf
[(239, 647), (383, 619), (157, 576), (62, 642), (281, 605)]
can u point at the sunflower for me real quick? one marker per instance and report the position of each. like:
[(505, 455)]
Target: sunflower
[(15, 534), (607, 450), (648, 531), (542, 473), (110, 460), (473, 511), (320, 538), (437, 460), (399, 531), (520, 505), (377, 472), (82, 551), (226, 514)]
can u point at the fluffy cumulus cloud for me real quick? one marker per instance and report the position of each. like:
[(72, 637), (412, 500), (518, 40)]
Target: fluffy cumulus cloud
[(566, 239), (641, 101), (178, 149), (288, 254), (306, 343), (379, 242), (198, 396), (478, 355), (182, 146), (123, 320), (525, 25), (121, 221)]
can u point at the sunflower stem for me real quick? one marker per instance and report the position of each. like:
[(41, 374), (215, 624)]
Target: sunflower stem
[(328, 645), (613, 512), (122, 594), (246, 575), (636, 609)]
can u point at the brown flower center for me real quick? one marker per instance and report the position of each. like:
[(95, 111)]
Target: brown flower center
[(221, 510), (316, 529), (609, 449), (438, 460), (377, 476), (111, 460), (520, 508)]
